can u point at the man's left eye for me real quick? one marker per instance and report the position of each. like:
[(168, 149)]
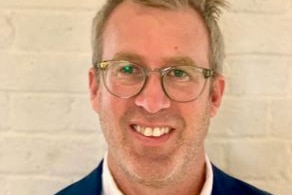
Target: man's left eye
[(179, 73)]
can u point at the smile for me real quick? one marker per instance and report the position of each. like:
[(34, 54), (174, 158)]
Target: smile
[(151, 131)]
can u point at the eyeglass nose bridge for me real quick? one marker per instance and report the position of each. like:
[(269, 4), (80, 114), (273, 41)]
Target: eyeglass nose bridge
[(162, 73)]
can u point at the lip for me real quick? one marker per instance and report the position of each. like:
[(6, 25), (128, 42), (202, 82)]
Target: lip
[(150, 140)]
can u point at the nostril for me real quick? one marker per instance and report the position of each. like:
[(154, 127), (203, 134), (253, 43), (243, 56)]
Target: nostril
[(152, 104)]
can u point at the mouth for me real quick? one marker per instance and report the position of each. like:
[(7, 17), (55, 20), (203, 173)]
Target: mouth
[(151, 131)]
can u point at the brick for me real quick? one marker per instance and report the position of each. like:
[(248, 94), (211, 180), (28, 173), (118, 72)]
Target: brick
[(282, 187), (290, 79), (49, 157), (217, 127), (33, 185), (40, 112), (259, 6), (68, 4), (241, 117), (258, 76), (27, 72), (3, 184), (76, 157), (4, 111), (22, 155), (261, 34), (83, 117), (6, 32), (217, 153), (52, 32), (281, 122), (258, 159), (289, 160)]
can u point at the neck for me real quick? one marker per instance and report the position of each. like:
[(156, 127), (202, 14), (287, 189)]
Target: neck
[(189, 183)]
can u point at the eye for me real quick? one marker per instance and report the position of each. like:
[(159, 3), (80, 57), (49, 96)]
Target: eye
[(179, 74), (128, 69)]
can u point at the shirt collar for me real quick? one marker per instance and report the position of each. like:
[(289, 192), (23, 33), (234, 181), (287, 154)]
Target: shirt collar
[(110, 188), (208, 185)]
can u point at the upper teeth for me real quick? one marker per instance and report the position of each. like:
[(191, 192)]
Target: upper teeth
[(149, 131)]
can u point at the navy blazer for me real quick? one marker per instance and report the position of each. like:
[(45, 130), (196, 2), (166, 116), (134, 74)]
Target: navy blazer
[(223, 184)]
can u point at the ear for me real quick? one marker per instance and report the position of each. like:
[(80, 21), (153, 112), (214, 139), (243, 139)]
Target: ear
[(94, 89), (216, 95)]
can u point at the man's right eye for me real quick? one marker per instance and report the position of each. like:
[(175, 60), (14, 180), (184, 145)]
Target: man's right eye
[(127, 69)]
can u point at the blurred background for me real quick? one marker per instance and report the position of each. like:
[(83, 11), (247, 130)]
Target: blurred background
[(50, 137)]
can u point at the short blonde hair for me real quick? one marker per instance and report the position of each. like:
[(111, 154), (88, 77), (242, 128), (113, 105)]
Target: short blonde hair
[(210, 11)]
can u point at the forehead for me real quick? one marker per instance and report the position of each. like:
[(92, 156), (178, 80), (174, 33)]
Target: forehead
[(155, 33)]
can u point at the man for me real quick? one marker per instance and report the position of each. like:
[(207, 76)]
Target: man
[(155, 84)]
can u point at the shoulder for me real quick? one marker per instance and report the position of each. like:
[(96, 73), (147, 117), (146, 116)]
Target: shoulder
[(89, 185), (226, 184)]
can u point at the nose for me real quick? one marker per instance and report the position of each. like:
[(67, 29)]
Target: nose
[(152, 98)]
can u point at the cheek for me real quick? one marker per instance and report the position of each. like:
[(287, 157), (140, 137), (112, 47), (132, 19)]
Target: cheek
[(108, 111), (198, 107), (108, 102), (109, 123), (197, 117), (111, 111)]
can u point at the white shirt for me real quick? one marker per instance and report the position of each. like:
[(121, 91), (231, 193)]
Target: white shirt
[(110, 188)]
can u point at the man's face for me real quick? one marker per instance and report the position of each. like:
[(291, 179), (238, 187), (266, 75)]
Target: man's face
[(152, 37)]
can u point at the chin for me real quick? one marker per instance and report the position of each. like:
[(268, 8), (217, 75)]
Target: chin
[(153, 179), (153, 174)]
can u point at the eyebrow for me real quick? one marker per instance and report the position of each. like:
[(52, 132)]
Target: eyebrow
[(167, 61), (180, 60), (128, 56)]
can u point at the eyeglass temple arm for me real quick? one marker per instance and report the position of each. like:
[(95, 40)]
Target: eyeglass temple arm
[(208, 73), (103, 65)]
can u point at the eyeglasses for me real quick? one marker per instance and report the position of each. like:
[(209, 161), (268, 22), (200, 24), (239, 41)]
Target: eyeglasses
[(182, 83)]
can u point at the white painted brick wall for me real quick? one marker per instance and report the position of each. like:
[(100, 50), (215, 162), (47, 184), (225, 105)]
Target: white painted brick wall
[(53, 4), (6, 32), (51, 31), (261, 6), (20, 72), (33, 185), (246, 156), (238, 114), (281, 125), (39, 112), (248, 73), (4, 111), (50, 137), (259, 33)]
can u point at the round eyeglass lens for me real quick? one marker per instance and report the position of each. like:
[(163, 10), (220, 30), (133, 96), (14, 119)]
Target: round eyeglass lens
[(184, 83), (124, 79)]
